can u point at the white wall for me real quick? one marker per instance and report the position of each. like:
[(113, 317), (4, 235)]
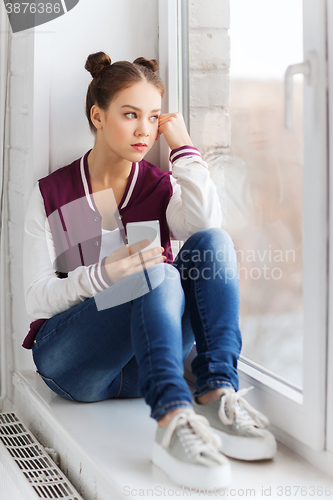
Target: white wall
[(125, 30), (48, 127)]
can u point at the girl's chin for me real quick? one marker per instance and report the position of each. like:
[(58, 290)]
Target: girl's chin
[(136, 157), (139, 154)]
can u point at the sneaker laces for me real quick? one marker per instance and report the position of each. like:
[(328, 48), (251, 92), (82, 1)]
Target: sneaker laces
[(196, 435), (234, 409)]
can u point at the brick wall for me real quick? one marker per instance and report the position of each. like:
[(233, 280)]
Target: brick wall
[(209, 62)]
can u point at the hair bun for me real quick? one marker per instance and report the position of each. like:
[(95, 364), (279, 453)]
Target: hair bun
[(96, 63), (151, 64)]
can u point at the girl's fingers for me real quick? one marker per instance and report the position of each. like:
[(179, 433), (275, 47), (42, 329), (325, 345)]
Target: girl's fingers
[(144, 256), (138, 246), (168, 116), (162, 121), (126, 251), (157, 260)]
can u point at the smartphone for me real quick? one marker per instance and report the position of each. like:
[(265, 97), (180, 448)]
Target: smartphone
[(138, 231)]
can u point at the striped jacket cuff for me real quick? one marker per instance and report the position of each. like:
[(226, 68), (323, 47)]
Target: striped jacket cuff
[(98, 276), (184, 152)]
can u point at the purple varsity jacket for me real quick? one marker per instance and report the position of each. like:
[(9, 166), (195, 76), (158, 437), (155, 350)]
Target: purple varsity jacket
[(76, 226)]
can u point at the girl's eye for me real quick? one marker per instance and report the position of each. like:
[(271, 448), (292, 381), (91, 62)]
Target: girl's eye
[(132, 115)]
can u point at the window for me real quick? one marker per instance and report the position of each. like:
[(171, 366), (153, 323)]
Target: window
[(272, 184), (264, 183)]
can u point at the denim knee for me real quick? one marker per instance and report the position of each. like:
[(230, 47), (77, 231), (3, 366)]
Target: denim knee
[(166, 292), (212, 236), (171, 276), (209, 245)]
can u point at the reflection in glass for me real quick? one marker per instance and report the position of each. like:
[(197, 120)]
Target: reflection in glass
[(264, 182)]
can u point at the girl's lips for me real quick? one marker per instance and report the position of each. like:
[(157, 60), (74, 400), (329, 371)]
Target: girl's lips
[(258, 144), (139, 147)]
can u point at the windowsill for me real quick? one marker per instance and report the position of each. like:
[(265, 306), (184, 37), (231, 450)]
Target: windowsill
[(113, 439)]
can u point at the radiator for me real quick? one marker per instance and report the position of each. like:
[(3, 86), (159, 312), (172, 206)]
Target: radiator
[(27, 472)]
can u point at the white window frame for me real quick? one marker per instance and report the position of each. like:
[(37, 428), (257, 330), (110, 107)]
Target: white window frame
[(4, 299), (170, 64), (301, 420), (329, 16), (303, 416)]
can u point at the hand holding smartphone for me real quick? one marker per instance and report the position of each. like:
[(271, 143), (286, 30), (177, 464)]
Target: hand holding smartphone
[(139, 231), (143, 238)]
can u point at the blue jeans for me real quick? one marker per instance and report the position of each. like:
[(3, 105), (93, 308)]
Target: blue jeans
[(138, 348)]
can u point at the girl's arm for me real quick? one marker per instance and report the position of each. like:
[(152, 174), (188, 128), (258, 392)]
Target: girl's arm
[(45, 293), (194, 204)]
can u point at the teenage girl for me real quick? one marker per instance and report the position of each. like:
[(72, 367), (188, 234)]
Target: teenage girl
[(111, 320)]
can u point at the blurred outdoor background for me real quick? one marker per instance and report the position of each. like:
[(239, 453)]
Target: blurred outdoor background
[(259, 176)]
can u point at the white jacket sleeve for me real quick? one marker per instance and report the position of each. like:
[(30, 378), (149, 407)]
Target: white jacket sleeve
[(45, 293), (194, 204)]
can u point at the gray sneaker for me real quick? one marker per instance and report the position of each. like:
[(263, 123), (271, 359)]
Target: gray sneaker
[(241, 427), (187, 450)]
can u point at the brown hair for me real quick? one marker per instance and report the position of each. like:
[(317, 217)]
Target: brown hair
[(109, 79)]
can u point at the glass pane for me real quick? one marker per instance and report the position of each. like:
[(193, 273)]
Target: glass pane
[(263, 178)]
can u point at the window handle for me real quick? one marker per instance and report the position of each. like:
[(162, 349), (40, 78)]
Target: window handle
[(306, 68)]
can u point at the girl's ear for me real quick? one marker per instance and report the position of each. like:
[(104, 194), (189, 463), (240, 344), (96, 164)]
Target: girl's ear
[(96, 116), (158, 136)]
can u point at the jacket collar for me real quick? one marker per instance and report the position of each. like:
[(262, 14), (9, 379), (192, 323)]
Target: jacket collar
[(85, 177)]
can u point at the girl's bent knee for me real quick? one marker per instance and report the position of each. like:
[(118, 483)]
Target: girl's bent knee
[(213, 237), (165, 279), (164, 271)]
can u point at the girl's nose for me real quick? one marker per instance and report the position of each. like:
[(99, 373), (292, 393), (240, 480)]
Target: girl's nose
[(142, 129)]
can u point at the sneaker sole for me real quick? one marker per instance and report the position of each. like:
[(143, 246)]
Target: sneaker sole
[(191, 475), (247, 448)]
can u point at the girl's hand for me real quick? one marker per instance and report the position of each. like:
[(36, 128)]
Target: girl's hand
[(120, 264), (173, 127)]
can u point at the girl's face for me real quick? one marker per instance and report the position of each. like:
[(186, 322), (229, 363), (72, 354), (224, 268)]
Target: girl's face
[(129, 126)]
